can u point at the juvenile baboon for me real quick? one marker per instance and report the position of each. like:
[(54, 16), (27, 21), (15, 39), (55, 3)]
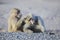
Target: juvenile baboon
[(13, 19), (32, 25)]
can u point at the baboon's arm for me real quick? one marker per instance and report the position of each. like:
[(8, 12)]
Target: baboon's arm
[(9, 26), (18, 24), (14, 26), (25, 29)]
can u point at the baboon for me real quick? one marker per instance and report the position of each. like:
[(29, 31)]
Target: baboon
[(13, 19), (32, 25), (27, 24)]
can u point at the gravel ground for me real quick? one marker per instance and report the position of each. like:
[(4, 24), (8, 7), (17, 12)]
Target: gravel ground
[(34, 36)]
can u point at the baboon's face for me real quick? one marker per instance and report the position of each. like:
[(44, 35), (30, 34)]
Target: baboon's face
[(32, 21), (16, 12), (29, 20)]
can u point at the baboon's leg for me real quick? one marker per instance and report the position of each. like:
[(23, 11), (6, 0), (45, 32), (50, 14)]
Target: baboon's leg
[(41, 28), (9, 26), (25, 29), (12, 25), (18, 24), (10, 29)]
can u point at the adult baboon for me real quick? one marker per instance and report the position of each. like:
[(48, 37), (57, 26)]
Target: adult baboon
[(27, 24), (15, 16), (32, 25)]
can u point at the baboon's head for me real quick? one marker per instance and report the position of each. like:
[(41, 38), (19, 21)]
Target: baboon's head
[(16, 12), (29, 19)]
